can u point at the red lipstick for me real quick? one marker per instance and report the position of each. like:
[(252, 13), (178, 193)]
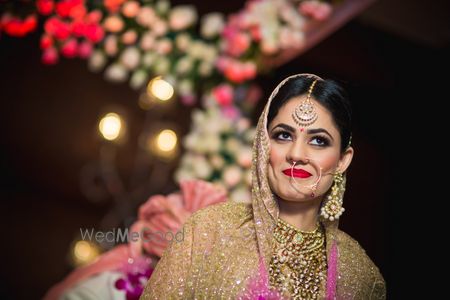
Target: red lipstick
[(297, 173)]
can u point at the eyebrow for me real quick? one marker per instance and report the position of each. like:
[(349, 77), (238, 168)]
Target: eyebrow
[(309, 131)]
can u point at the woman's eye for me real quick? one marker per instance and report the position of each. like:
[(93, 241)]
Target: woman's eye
[(284, 136), (320, 141)]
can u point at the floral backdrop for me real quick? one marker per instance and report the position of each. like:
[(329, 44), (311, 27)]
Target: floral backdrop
[(209, 61)]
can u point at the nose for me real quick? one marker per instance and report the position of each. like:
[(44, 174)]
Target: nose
[(298, 153)]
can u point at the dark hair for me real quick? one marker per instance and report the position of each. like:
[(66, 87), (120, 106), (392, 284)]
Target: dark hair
[(327, 92)]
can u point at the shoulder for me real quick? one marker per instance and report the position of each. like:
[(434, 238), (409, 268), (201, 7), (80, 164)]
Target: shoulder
[(226, 213), (356, 265)]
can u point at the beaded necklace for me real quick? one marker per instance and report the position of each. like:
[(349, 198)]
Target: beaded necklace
[(299, 261)]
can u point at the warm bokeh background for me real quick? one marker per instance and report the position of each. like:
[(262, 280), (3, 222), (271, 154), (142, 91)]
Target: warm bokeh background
[(49, 115)]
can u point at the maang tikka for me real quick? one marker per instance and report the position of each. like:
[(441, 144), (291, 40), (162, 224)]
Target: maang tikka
[(305, 113)]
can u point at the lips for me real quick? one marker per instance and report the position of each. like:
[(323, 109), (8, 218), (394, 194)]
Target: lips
[(297, 173)]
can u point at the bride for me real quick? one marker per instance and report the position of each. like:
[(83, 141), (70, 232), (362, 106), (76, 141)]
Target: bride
[(286, 243)]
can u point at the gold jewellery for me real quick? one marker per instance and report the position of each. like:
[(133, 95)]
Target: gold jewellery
[(305, 113), (332, 207), (299, 262)]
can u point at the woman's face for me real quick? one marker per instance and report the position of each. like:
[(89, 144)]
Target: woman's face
[(316, 149)]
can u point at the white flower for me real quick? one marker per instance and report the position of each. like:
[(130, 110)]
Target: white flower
[(232, 145), (138, 79), (149, 58), (205, 69), (198, 116), (290, 38), (212, 142), (162, 6), (245, 157), (182, 41), (130, 58), (249, 136), (187, 160), (241, 194), (184, 65), (183, 174), (116, 72), (213, 126), (96, 61), (147, 41), (185, 87), (190, 141), (289, 14), (232, 175), (201, 167), (182, 17), (159, 27), (209, 53), (217, 161), (146, 16), (162, 65), (242, 125), (196, 50), (212, 25)]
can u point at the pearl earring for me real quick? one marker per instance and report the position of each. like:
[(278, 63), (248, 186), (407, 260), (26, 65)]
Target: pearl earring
[(332, 207)]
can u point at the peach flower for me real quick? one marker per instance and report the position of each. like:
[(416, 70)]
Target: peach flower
[(130, 9), (161, 217), (113, 23)]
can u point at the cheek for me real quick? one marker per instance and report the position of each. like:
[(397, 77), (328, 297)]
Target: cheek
[(328, 161), (275, 156)]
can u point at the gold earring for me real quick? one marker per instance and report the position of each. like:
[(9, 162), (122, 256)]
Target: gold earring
[(332, 207)]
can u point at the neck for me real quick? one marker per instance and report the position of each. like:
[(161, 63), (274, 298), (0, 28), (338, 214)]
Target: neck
[(302, 215)]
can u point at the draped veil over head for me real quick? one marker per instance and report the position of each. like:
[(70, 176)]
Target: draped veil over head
[(265, 206)]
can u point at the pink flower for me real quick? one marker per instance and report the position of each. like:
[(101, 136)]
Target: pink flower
[(72, 8), (129, 37), (46, 42), (45, 7), (249, 70), (85, 49), (147, 41), (223, 94), (113, 5), (161, 217), (57, 28), (78, 28), (316, 9), (94, 32), (94, 16), (111, 45), (255, 32), (163, 46), (236, 42), (254, 94), (188, 99), (50, 56), (70, 48), (231, 112), (18, 27)]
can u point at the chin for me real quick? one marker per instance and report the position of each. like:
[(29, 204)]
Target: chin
[(296, 197)]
